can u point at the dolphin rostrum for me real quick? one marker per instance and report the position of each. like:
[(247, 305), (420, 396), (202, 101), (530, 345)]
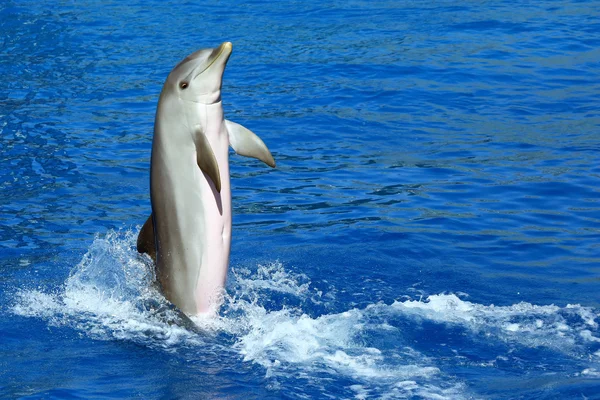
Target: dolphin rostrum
[(188, 233)]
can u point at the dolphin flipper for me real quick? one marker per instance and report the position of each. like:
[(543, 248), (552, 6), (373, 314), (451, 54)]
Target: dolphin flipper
[(145, 240), (205, 157), (246, 143)]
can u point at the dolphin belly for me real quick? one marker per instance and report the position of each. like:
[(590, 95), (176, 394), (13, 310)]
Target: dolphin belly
[(217, 235), (193, 229)]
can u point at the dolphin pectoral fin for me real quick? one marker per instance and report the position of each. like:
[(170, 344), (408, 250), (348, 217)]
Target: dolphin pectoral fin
[(145, 240), (246, 143), (207, 161)]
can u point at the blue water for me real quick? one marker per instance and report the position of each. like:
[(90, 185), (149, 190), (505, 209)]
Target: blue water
[(432, 228)]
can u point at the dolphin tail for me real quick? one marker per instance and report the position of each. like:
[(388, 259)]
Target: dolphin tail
[(246, 143), (145, 241), (170, 314)]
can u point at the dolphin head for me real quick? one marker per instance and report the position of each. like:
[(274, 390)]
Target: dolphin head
[(199, 76)]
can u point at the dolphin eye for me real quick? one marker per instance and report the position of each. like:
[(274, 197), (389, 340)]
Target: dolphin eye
[(183, 85)]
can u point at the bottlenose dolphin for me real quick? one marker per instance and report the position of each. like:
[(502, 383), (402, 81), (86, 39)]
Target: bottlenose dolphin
[(188, 233)]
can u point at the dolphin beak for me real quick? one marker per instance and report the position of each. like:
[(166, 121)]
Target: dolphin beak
[(225, 48), (219, 58), (222, 53)]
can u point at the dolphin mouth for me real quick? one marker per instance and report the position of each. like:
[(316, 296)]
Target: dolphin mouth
[(224, 48)]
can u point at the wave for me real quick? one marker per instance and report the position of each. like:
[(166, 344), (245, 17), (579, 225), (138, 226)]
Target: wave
[(268, 319)]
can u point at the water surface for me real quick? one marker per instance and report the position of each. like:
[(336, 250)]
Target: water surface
[(430, 231)]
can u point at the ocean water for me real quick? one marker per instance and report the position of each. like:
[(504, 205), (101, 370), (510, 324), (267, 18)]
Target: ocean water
[(431, 231)]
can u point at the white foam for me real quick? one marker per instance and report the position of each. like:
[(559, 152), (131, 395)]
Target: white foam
[(33, 303), (273, 277), (527, 324), (110, 296), (107, 296), (591, 372)]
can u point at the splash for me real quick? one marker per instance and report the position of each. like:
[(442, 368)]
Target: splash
[(109, 295), (269, 317), (562, 329)]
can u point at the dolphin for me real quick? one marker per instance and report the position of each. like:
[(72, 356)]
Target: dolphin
[(188, 234)]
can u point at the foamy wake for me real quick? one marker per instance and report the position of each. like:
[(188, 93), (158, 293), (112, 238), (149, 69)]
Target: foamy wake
[(110, 295)]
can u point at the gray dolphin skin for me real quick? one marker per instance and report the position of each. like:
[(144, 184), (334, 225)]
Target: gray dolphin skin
[(188, 233)]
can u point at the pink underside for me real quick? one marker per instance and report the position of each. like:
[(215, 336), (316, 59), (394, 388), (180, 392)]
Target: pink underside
[(215, 258)]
